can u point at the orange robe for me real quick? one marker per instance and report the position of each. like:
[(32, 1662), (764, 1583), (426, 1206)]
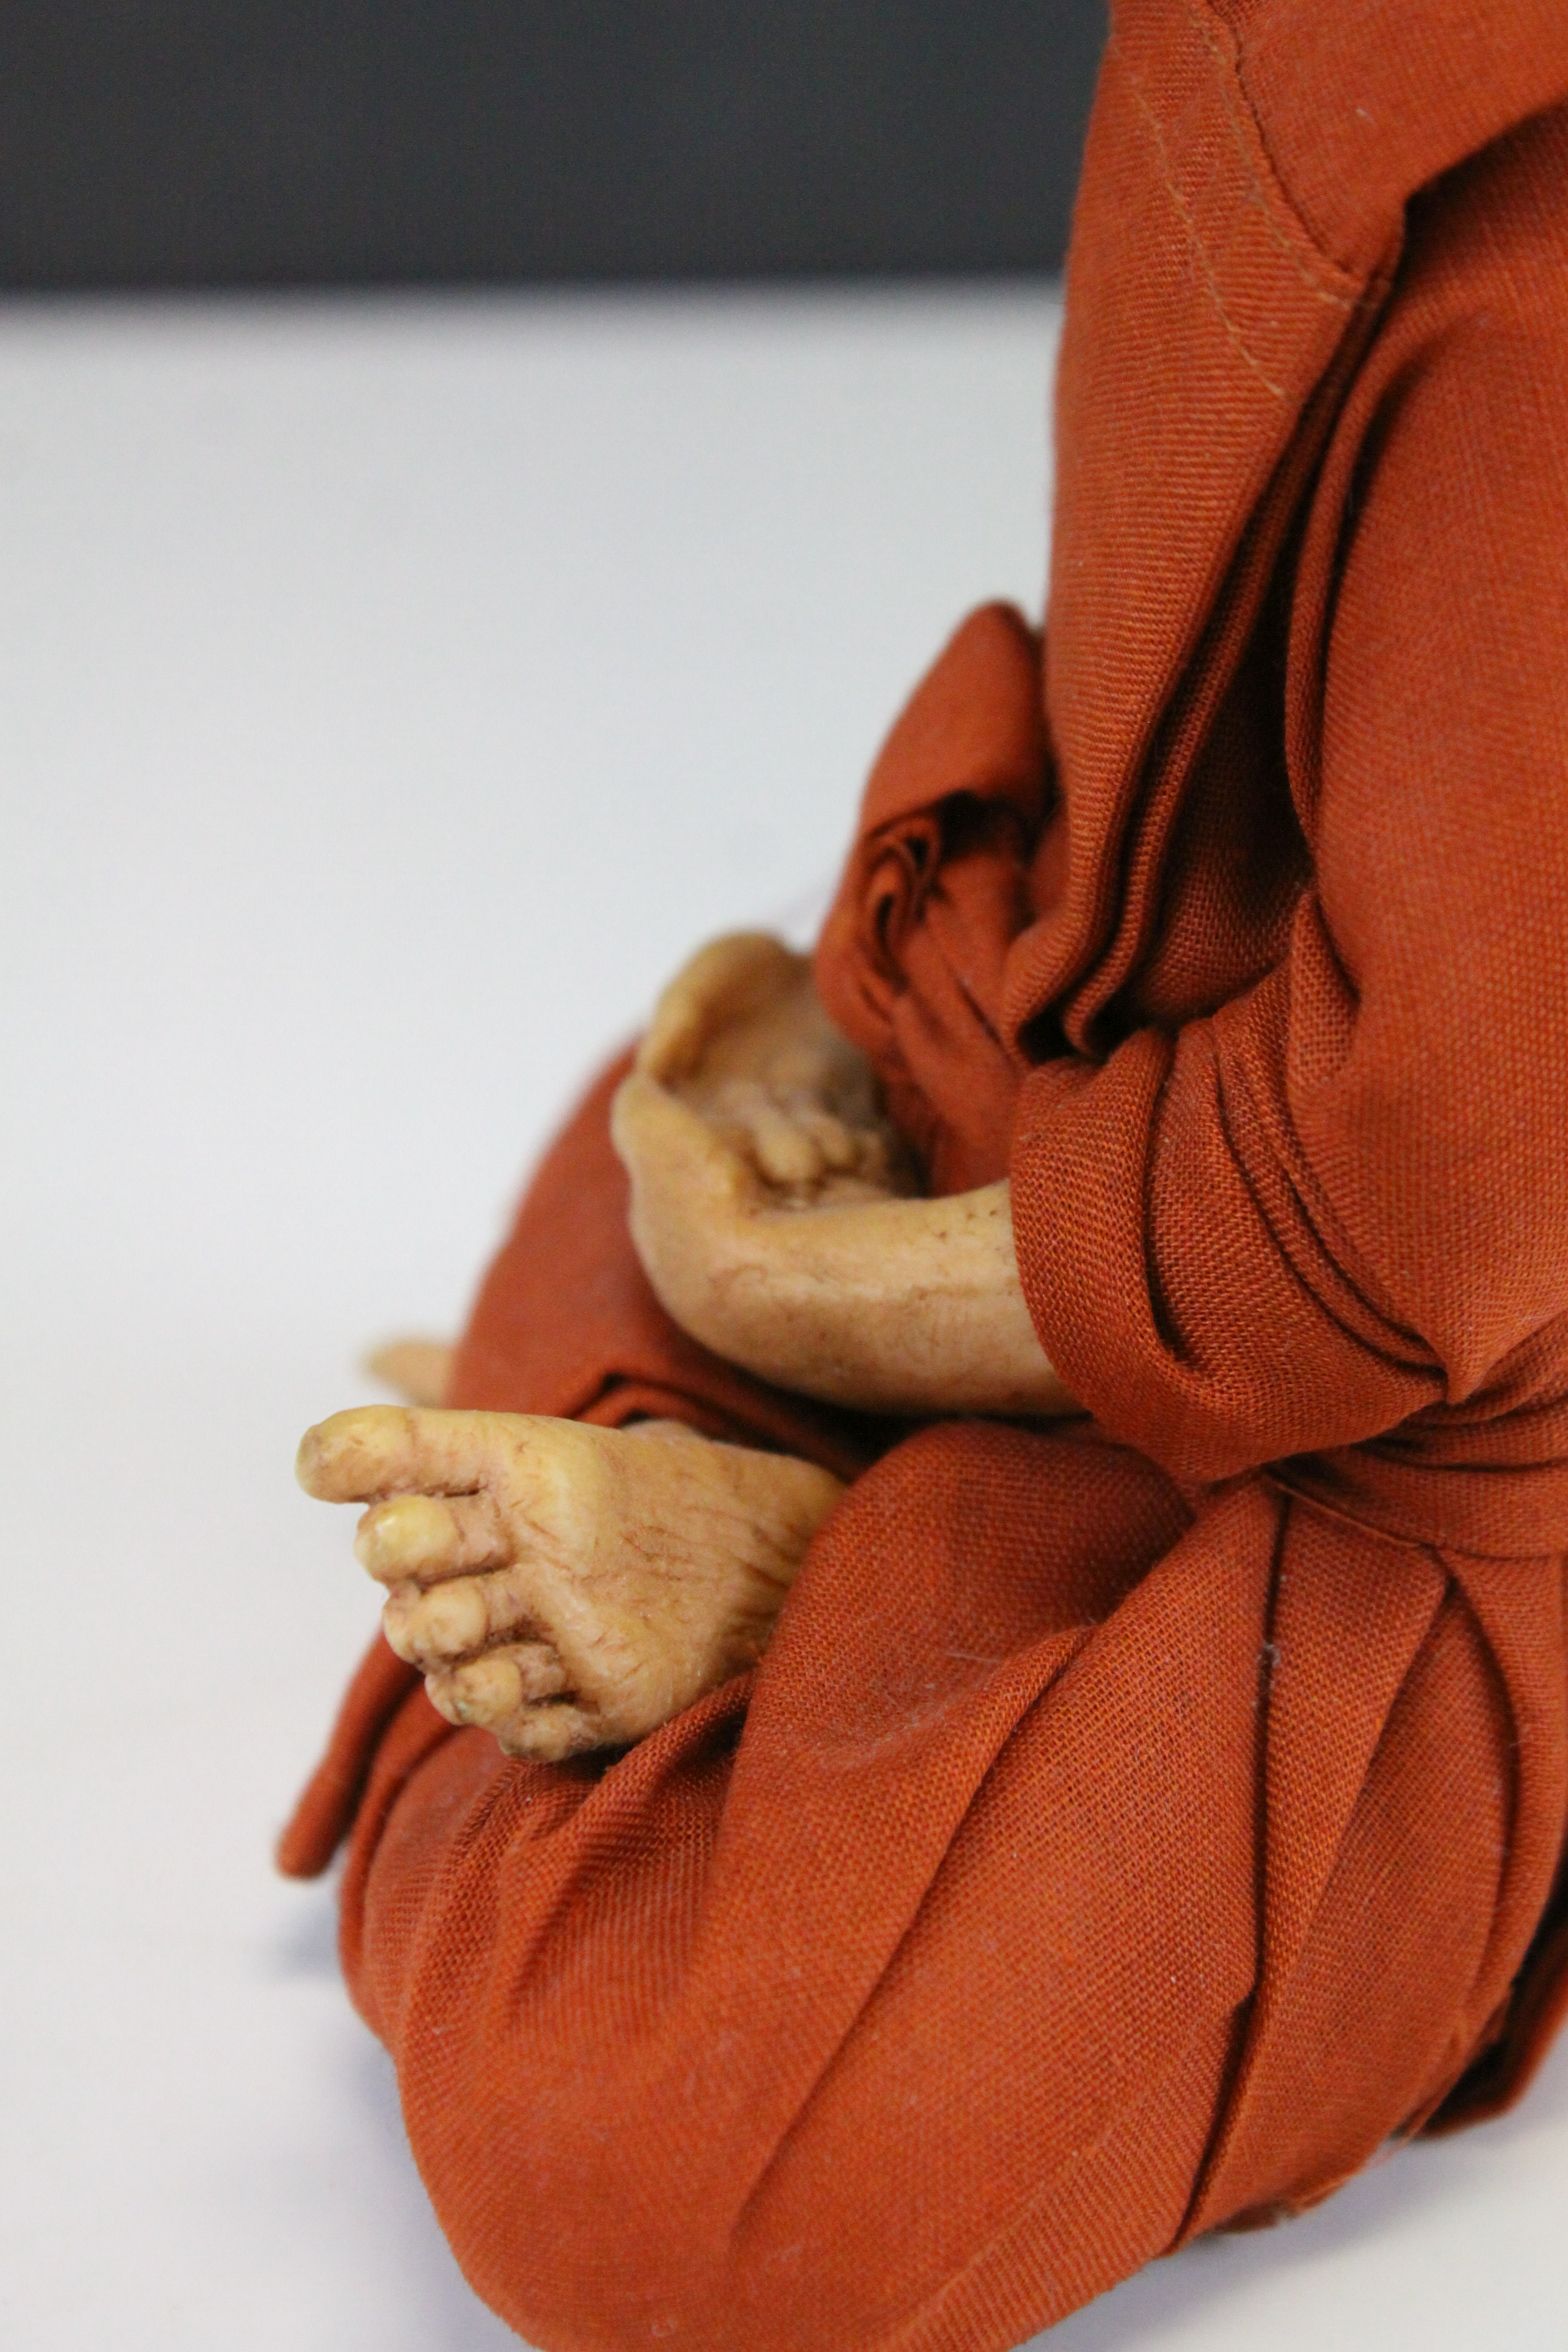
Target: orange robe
[(1135, 1820)]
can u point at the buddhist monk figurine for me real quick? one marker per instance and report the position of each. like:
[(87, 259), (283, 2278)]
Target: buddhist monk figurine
[(976, 1675)]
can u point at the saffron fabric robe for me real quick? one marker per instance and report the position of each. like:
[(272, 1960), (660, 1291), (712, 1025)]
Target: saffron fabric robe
[(1135, 1820)]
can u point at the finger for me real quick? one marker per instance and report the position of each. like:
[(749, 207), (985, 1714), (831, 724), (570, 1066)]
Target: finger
[(430, 1536), (376, 1450), (550, 1734), (732, 1102), (489, 1691), (436, 1629), (833, 1140), (784, 1149), (874, 1159), (726, 978)]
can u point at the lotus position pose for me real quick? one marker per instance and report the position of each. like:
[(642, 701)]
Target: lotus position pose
[(569, 1587), (976, 1678)]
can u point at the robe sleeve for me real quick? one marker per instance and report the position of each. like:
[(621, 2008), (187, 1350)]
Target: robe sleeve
[(1343, 1197)]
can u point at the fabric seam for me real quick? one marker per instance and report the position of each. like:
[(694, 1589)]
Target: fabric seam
[(1116, 55), (1272, 190)]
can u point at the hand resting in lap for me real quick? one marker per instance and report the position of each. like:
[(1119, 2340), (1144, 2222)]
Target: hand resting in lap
[(567, 1587), (741, 1039), (785, 1237)]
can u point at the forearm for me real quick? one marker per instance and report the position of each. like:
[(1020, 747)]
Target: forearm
[(899, 1306)]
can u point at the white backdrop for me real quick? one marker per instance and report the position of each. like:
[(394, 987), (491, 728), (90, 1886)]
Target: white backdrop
[(391, 693)]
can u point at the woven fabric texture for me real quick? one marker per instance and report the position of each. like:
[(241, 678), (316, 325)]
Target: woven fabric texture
[(1134, 1821)]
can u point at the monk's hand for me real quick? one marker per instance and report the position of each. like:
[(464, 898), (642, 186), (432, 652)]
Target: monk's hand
[(740, 1039), (560, 1586), (885, 1303)]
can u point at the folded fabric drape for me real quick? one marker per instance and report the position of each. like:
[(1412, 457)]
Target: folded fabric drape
[(1134, 1821)]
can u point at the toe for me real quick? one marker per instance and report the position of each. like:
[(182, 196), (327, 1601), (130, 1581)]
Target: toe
[(419, 1369), (427, 1537), (376, 1450), (450, 1622), (489, 1691), (550, 1734)]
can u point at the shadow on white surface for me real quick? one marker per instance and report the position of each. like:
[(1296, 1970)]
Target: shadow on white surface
[(1353, 2269), (1381, 2265), (389, 695), (306, 1940), (439, 2298), (379, 2252), (1450, 2242)]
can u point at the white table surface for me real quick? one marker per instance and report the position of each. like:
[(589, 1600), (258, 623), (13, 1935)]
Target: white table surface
[(389, 694)]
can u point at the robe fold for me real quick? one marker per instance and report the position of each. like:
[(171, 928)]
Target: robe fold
[(1135, 1820)]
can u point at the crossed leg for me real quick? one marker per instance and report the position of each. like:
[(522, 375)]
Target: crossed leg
[(569, 1587)]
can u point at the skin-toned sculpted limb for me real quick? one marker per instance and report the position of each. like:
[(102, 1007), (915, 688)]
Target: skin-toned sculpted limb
[(562, 1586), (1134, 1824), (420, 1370), (568, 1587), (740, 1037), (814, 1273)]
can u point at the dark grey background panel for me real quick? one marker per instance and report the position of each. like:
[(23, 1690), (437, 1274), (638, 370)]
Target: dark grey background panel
[(277, 142)]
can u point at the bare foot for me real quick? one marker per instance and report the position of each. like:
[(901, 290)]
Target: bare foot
[(419, 1369), (740, 1037), (562, 1586)]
